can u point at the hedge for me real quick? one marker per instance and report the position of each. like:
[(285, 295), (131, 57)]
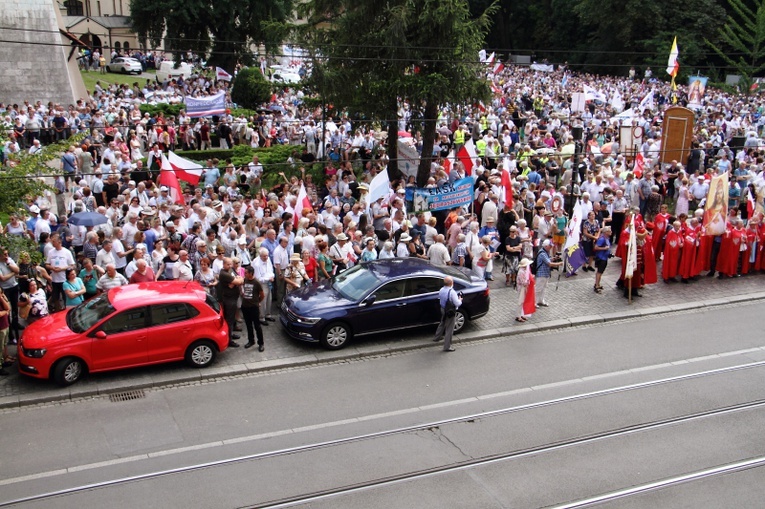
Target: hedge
[(241, 155)]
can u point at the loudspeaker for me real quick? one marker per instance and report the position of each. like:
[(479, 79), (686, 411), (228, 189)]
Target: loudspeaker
[(577, 133)]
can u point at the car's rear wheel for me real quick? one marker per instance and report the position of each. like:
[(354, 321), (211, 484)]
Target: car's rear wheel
[(68, 370), (459, 321), (335, 336), (201, 354)]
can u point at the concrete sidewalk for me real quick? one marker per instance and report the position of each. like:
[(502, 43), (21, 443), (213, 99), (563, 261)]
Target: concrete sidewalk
[(573, 303)]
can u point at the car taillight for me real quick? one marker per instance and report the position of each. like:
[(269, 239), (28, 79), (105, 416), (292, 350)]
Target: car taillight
[(486, 292)]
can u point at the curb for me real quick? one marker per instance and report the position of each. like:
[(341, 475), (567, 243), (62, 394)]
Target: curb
[(160, 380)]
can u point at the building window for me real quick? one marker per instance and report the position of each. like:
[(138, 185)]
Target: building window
[(74, 8), (126, 46), (98, 4), (117, 46)]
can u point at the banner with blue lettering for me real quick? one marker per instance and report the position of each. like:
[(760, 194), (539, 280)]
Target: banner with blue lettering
[(206, 106), (447, 196)]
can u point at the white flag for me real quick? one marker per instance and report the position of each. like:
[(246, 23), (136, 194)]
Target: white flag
[(617, 103), (647, 102), (379, 187), (631, 263), (574, 227)]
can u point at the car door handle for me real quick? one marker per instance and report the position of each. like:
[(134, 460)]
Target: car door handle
[(401, 304)]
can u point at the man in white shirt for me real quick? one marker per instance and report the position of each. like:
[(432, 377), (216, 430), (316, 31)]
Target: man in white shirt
[(281, 262), (438, 253), (57, 261), (264, 273), (105, 256), (182, 269)]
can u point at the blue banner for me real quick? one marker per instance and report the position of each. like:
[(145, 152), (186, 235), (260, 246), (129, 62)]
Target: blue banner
[(574, 259), (447, 196), (206, 106)]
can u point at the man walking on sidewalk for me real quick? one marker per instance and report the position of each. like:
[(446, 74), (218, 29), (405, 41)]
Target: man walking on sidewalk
[(450, 301), (544, 273)]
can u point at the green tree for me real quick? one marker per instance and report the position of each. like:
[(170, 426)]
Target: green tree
[(22, 178), (226, 28), (250, 88), (423, 51), (743, 36)]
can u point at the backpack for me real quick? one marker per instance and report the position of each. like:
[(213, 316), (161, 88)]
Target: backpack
[(535, 263)]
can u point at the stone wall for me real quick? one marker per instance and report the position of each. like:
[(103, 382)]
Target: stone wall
[(34, 66)]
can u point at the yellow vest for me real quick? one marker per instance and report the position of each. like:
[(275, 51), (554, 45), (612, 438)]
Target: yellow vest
[(480, 147), (459, 137)]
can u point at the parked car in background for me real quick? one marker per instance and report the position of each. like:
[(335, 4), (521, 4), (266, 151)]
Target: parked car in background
[(125, 65), (167, 71), (379, 296), (129, 326)]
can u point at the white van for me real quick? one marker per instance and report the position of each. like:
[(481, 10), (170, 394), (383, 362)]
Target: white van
[(167, 71)]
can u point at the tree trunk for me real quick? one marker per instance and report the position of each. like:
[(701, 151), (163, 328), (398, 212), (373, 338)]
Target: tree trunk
[(428, 140), (393, 171)]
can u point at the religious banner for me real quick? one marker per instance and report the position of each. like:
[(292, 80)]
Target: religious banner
[(697, 85), (574, 253), (716, 206), (445, 197), (206, 106)]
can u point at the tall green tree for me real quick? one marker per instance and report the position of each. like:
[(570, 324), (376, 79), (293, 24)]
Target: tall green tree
[(371, 55), (742, 39), (225, 29)]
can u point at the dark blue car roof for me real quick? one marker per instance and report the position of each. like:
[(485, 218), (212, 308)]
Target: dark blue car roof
[(398, 267)]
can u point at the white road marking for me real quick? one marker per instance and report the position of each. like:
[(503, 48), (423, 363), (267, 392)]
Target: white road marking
[(262, 436)]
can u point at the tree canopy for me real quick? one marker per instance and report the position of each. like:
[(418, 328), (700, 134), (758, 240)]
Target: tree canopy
[(371, 55), (225, 29), (609, 36)]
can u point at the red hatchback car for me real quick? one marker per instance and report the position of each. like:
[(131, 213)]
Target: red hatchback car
[(133, 325)]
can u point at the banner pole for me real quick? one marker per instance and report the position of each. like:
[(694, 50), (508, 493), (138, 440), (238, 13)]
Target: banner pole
[(561, 269), (629, 290)]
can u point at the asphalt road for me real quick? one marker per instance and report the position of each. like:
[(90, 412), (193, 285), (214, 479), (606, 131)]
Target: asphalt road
[(539, 420)]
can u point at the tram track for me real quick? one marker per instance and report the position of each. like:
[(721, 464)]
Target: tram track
[(438, 470)]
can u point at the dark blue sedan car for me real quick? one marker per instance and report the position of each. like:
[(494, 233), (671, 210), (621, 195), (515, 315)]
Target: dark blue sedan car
[(379, 296)]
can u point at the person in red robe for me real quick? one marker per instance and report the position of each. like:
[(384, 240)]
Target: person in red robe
[(730, 251), (759, 264), (749, 259), (645, 242), (688, 256), (672, 250), (660, 226)]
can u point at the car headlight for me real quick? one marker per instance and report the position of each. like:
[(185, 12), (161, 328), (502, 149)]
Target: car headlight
[(307, 321), (35, 353)]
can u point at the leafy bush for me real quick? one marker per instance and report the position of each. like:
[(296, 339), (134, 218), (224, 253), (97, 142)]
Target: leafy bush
[(167, 110), (16, 244), (250, 88)]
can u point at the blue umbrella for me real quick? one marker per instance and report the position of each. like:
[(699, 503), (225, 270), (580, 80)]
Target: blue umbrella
[(87, 219)]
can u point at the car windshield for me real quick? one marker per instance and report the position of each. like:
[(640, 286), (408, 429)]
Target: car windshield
[(89, 313), (456, 273), (354, 283)]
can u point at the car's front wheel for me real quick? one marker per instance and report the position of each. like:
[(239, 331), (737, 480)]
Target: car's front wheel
[(335, 336), (68, 370), (459, 321), (201, 354)]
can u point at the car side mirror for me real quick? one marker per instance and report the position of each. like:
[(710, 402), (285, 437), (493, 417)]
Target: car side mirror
[(369, 300), (100, 335)]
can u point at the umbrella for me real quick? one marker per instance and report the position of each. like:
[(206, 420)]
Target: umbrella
[(87, 219)]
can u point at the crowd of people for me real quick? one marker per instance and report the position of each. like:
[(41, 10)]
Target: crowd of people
[(230, 228)]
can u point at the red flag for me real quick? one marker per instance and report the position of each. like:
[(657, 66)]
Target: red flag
[(303, 202), (507, 183), (448, 162), (467, 156), (498, 68), (639, 166), (185, 169), (168, 178)]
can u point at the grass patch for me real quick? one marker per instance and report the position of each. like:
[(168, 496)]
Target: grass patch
[(90, 78)]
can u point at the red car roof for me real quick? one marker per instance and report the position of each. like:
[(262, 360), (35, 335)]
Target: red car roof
[(157, 292)]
